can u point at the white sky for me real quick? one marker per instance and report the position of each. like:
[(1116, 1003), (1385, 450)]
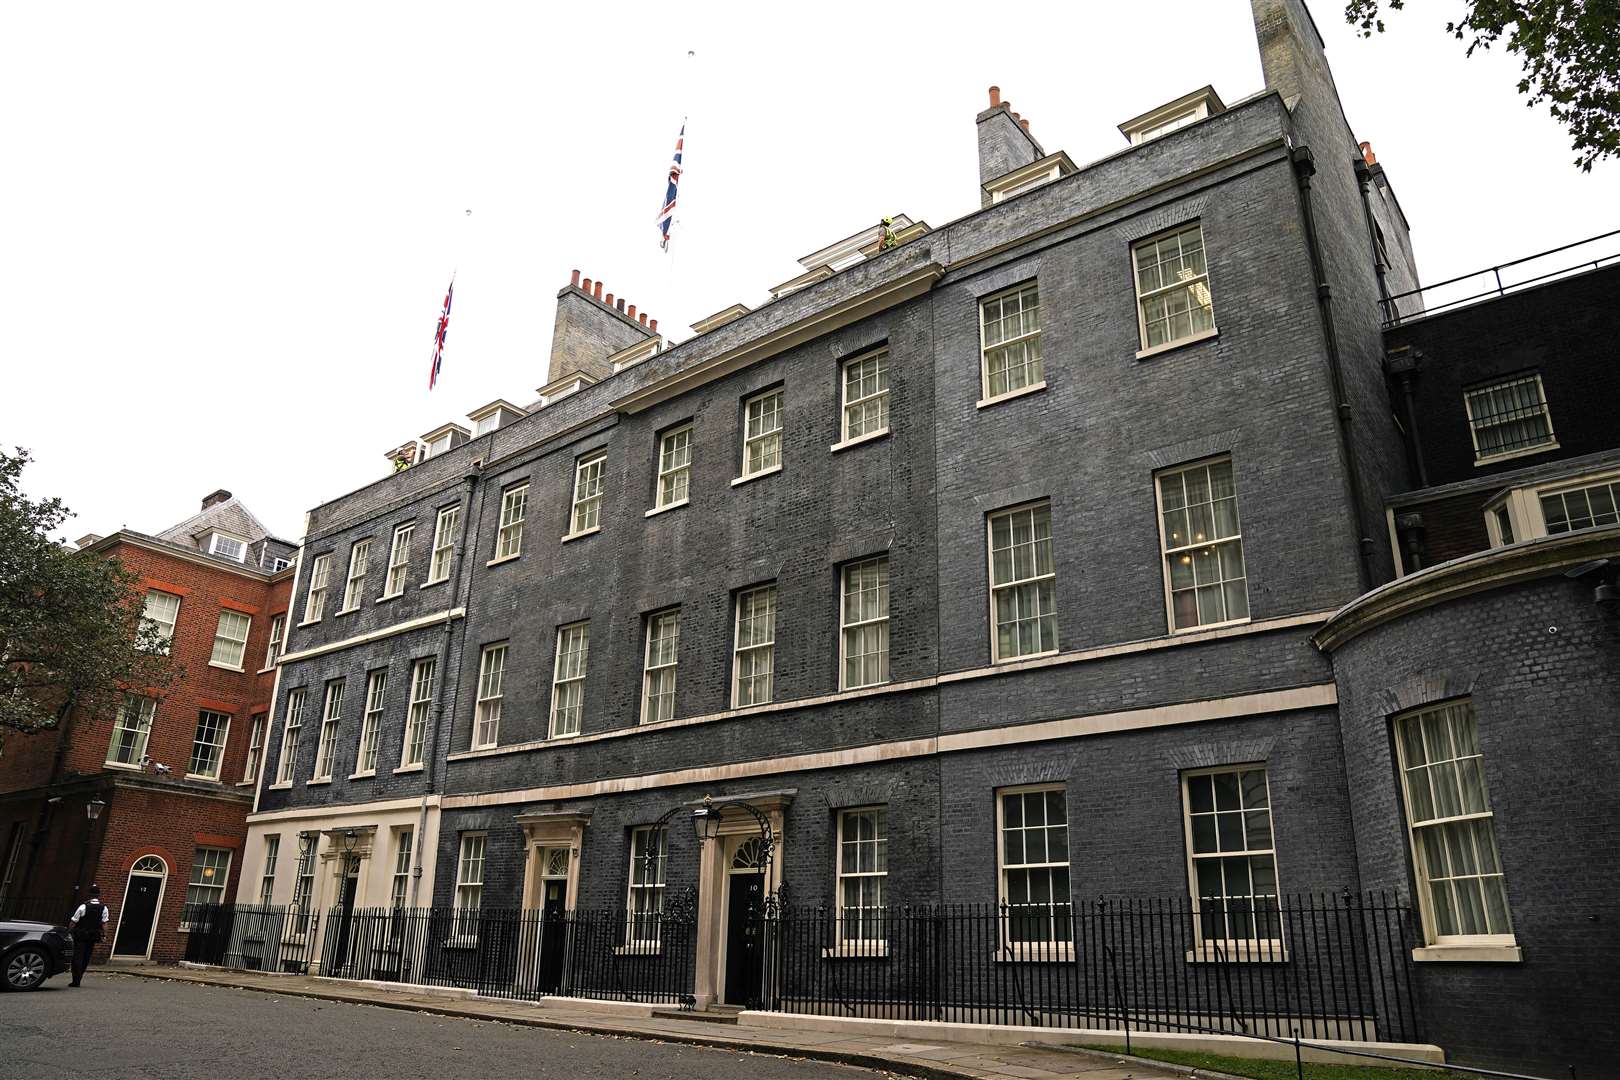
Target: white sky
[(226, 229)]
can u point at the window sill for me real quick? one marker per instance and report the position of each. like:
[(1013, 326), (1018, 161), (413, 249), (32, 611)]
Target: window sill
[(565, 737), (308, 622), (430, 584), (870, 436), (655, 511), (368, 775), (387, 597), (265, 670), (1171, 346), (869, 950), (224, 667), (592, 531), (1208, 626), (643, 948), (317, 783), (1241, 952), (505, 558), (407, 769), (281, 785), (203, 777), (1059, 953), (345, 611), (1032, 388), (1529, 451), (483, 746), (741, 480), (246, 783), (1468, 954), (1024, 656), (127, 766)]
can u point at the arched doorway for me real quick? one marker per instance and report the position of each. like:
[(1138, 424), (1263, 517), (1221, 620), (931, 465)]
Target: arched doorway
[(137, 915)]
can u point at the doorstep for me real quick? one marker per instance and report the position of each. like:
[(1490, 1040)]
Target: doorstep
[(1240, 1046)]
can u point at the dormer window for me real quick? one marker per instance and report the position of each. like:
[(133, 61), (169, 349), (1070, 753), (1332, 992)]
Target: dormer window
[(438, 446), (1035, 174), (441, 440), (497, 414), (227, 546), (486, 424), (1173, 116)]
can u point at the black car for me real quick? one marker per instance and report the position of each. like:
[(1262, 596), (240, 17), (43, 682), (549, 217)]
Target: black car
[(31, 952)]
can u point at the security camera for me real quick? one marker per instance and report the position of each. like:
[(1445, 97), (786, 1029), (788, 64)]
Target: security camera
[(161, 769)]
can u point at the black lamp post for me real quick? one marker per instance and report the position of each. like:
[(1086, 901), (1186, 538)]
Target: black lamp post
[(92, 811)]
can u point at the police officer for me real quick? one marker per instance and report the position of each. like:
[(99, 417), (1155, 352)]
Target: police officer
[(86, 927)]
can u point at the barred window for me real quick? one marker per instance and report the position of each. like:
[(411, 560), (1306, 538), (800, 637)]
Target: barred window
[(864, 615), (208, 745), (863, 867), (663, 656), (754, 659), (762, 433), (1010, 341), (866, 394), (568, 679), (1507, 418), (1172, 287), (1461, 888), (1234, 864), (514, 507), (131, 728), (1034, 860), (1203, 545), (1023, 593), (674, 467), (588, 492)]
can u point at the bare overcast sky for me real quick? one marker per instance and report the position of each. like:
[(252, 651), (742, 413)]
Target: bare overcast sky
[(227, 228)]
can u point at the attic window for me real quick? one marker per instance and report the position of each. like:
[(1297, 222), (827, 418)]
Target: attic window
[(486, 424), (1027, 185), (228, 546), (438, 446), (1173, 115), (1171, 123)]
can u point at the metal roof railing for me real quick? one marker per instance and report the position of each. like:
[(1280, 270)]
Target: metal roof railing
[(1495, 281)]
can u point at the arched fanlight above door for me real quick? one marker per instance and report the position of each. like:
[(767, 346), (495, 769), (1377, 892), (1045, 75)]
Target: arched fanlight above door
[(750, 855), (149, 864)]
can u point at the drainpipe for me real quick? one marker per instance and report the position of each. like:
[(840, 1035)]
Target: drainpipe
[(1304, 169), (1404, 364), (1364, 181), (430, 755)]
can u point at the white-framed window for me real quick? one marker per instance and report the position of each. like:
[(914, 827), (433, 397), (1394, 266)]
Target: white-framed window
[(416, 717), (399, 560), (568, 679), (587, 514), (1174, 122), (1172, 287), (509, 537), (470, 882), (161, 612), (278, 564), (649, 848), (371, 722), (230, 639), (228, 546), (1010, 340), (278, 633), (355, 590), (303, 889), (255, 754), (1461, 890), (444, 544), (762, 433), (864, 619), (331, 713), (662, 659), (436, 447), (1033, 860), (1581, 507), (866, 394), (863, 867), (131, 728), (1204, 576), (486, 424), (208, 744), (267, 880), (674, 466), (210, 867), (1231, 856), (754, 654), (315, 602), (1023, 583), (491, 672), (1509, 418), (290, 732), (399, 888)]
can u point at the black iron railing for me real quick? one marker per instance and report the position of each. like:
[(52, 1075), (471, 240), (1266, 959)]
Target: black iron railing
[(1328, 967), (251, 936), (1494, 281), (506, 952), (37, 909)]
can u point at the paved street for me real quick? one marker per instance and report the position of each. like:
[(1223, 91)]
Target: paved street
[(126, 1027)]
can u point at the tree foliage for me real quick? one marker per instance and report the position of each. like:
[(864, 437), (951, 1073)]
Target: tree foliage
[(1571, 55), (72, 635)]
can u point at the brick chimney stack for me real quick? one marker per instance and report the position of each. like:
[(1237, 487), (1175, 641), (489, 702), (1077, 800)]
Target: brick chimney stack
[(215, 498), (1005, 144), (591, 326)]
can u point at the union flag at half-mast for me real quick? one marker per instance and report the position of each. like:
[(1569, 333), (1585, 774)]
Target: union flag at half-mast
[(440, 332), (666, 216)]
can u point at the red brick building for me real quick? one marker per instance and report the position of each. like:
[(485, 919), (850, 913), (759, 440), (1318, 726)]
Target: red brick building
[(170, 778)]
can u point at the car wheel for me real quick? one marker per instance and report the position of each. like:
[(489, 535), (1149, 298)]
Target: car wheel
[(25, 969)]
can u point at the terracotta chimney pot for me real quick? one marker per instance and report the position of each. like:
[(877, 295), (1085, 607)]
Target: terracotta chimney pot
[(643, 318), (653, 325), (587, 286), (575, 280), (632, 312), (995, 96), (598, 292)]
